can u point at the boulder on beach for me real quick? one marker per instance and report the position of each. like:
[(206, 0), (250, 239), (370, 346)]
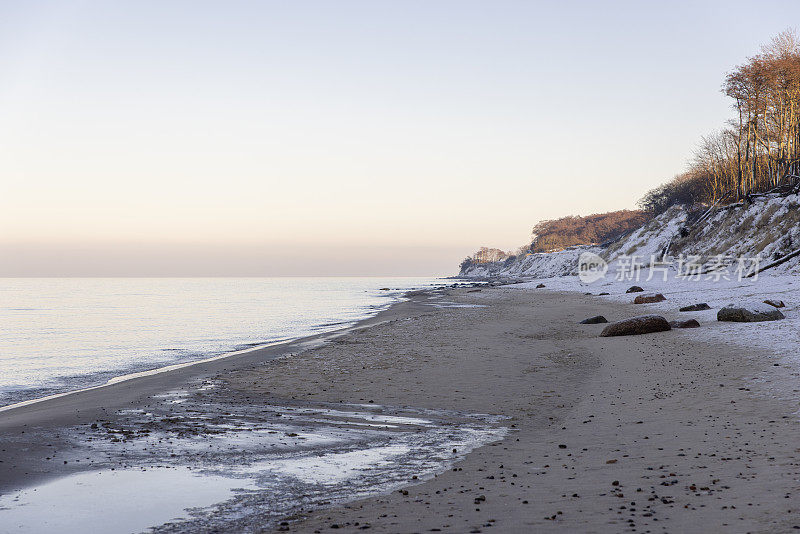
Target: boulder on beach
[(775, 303), (649, 298), (644, 324), (749, 313), (597, 319), (634, 289), (696, 307), (539, 286), (691, 323)]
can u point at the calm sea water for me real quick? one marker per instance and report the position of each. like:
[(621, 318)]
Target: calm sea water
[(59, 334)]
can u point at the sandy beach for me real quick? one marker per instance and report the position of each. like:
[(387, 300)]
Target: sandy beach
[(399, 267), (653, 433)]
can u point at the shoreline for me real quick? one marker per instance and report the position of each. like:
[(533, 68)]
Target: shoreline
[(73, 407), (625, 410), (43, 366), (398, 299), (141, 374)]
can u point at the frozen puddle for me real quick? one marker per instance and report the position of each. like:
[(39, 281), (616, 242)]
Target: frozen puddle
[(334, 468), (218, 463), (112, 501)]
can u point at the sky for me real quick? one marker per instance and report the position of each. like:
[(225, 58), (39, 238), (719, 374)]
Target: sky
[(192, 138)]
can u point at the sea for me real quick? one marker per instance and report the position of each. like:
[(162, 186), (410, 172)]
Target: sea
[(62, 334)]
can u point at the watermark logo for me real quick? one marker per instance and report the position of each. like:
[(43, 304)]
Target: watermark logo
[(591, 267)]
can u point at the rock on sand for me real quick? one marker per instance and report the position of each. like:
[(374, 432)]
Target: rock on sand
[(644, 324), (691, 323), (749, 313), (597, 319), (649, 298), (696, 307)]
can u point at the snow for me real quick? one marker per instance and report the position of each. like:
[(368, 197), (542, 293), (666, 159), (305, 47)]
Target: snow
[(649, 240), (765, 229), (542, 264), (780, 339)]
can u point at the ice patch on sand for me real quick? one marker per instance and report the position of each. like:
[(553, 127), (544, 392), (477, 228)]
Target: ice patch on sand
[(335, 467)]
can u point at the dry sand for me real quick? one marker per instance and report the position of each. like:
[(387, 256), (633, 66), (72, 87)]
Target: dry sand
[(653, 433)]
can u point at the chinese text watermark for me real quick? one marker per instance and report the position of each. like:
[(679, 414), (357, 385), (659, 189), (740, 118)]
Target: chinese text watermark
[(592, 268)]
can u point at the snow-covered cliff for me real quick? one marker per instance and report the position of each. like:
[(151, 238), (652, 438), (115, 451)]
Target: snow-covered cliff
[(767, 228)]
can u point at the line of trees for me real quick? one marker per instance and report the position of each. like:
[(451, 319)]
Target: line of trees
[(573, 230), (759, 149), (558, 234), (488, 255)]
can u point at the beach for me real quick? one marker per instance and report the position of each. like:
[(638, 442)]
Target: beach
[(568, 431), (391, 267)]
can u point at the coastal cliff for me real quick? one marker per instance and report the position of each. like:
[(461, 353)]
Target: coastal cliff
[(765, 229)]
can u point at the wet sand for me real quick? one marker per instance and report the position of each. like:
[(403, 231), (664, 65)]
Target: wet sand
[(653, 433), (32, 431)]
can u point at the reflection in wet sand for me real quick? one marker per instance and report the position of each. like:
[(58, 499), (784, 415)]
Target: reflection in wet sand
[(197, 460)]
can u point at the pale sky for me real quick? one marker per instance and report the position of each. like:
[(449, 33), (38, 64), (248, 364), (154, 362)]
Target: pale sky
[(342, 137)]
